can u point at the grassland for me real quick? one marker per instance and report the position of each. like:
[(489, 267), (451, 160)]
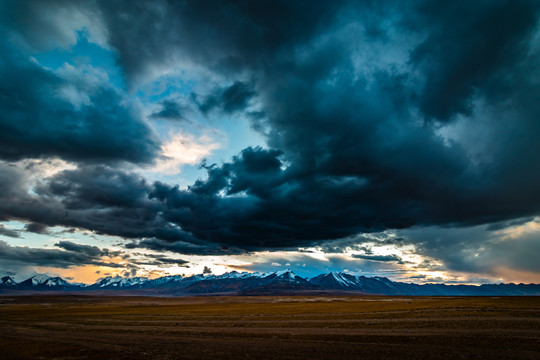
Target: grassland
[(290, 327)]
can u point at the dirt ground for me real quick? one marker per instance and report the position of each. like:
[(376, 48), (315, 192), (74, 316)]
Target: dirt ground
[(290, 327)]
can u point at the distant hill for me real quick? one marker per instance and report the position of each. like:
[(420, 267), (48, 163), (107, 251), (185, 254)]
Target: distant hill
[(272, 283)]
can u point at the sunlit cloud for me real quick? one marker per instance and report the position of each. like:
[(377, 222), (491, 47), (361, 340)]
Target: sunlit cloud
[(184, 149), (514, 232)]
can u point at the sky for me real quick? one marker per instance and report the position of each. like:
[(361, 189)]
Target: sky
[(377, 138)]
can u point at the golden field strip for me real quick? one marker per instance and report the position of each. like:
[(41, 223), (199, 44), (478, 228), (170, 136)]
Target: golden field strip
[(269, 327)]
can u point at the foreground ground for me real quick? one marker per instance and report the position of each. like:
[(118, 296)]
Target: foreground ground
[(290, 327)]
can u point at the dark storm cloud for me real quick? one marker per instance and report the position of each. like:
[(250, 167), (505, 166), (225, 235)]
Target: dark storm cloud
[(72, 255), (96, 198), (107, 201), (170, 110), (89, 250), (228, 100), (376, 116), (361, 242), (222, 35), (37, 122), (477, 249), (96, 186), (73, 113), (262, 209), (177, 245), (381, 258), (506, 224), (37, 228), (268, 206), (8, 232), (353, 152), (103, 200), (159, 260), (472, 54), (47, 24)]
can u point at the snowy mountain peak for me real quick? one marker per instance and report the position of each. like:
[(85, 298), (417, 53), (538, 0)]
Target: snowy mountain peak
[(39, 279), (342, 279), (193, 278), (55, 281), (286, 274), (336, 280), (42, 280), (282, 274), (284, 281), (118, 281), (265, 274), (106, 281), (166, 279), (7, 281), (133, 281), (234, 275)]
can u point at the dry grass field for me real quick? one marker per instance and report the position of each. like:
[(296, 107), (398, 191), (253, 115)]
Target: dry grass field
[(289, 327)]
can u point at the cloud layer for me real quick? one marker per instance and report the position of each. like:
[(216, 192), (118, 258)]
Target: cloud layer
[(376, 116)]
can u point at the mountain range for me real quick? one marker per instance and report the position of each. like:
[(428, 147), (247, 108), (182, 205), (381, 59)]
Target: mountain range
[(245, 283)]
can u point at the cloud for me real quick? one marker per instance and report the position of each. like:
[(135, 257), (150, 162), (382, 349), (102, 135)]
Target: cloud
[(341, 171), (160, 260), (96, 198), (382, 258), (169, 261), (313, 264), (37, 228), (479, 249), (92, 251), (51, 24), (218, 35), (170, 110), (360, 242), (377, 117), (73, 113), (182, 243), (207, 270), (8, 232), (472, 55), (184, 149), (228, 100), (72, 255)]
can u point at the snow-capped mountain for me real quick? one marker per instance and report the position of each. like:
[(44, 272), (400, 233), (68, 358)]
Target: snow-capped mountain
[(45, 281), (335, 280), (170, 279), (235, 275), (55, 281), (120, 282), (343, 281), (39, 279), (287, 275), (285, 281), (271, 283), (284, 276), (7, 281)]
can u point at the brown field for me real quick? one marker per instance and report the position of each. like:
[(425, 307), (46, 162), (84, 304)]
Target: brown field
[(288, 327)]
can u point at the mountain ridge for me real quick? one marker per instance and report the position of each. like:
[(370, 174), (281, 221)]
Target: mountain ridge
[(245, 283)]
